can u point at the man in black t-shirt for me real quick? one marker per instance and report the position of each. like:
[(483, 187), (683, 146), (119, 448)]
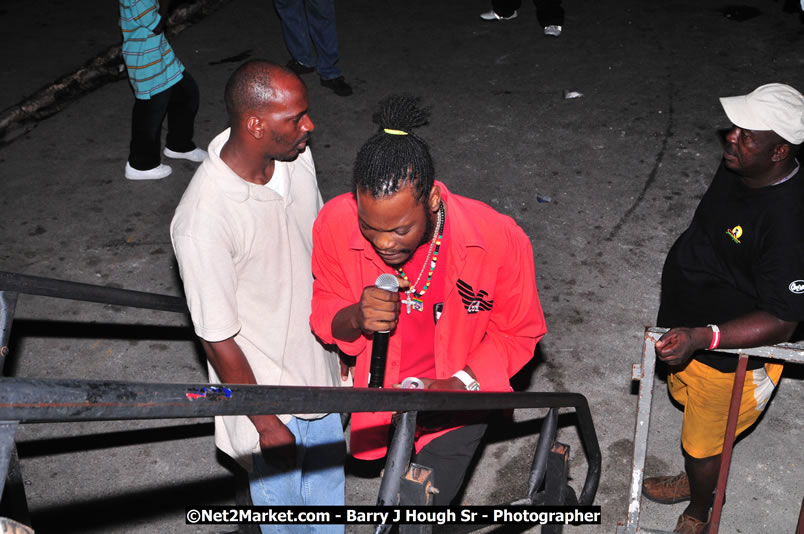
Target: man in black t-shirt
[(734, 278)]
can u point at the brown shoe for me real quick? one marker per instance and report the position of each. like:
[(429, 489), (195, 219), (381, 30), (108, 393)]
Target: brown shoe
[(667, 490), (689, 525)]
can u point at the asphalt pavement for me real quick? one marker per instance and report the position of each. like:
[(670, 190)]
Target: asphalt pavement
[(603, 183)]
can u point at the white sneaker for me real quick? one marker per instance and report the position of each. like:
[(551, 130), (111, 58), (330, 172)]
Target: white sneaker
[(198, 155), (492, 15), (552, 30), (157, 173)]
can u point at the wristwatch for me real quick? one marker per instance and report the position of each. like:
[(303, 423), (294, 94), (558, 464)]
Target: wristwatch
[(468, 382)]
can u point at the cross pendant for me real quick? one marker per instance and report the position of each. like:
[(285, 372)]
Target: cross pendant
[(409, 301)]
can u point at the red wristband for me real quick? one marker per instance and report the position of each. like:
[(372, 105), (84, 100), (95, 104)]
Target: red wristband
[(715, 336)]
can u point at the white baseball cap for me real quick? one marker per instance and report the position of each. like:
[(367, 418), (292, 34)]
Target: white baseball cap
[(774, 106)]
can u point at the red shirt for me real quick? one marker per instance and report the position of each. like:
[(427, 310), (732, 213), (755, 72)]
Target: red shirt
[(491, 318)]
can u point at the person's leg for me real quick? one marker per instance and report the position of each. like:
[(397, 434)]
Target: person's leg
[(704, 427), (324, 456), (702, 473), (670, 489), (549, 12), (317, 480), (323, 32), (296, 30), (146, 131), (182, 109), (272, 487), (449, 456), (505, 8)]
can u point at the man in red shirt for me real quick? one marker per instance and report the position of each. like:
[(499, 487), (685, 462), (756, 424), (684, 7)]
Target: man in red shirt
[(467, 315)]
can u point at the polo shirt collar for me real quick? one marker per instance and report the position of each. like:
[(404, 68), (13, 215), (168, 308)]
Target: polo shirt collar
[(232, 185), (464, 228)]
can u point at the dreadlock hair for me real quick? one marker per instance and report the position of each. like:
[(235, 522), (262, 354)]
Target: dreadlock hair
[(387, 161)]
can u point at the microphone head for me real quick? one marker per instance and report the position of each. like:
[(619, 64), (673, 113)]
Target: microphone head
[(387, 282)]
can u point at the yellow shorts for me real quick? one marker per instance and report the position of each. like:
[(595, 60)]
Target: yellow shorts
[(706, 394)]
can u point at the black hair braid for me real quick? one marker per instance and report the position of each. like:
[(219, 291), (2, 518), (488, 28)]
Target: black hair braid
[(387, 161)]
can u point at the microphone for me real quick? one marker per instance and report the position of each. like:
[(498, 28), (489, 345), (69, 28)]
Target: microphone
[(379, 348)]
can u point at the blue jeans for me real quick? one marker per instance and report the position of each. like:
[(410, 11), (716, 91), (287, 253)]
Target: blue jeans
[(317, 480), (307, 24)]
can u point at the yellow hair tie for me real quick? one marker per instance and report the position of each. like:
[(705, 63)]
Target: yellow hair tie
[(394, 132)]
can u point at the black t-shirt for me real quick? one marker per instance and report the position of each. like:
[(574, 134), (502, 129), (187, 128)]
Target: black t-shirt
[(743, 252)]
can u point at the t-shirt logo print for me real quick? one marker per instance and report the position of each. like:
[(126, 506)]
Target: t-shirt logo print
[(797, 287), (473, 302), (735, 233)]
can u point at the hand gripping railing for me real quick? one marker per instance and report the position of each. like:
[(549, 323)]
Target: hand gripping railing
[(26, 400)]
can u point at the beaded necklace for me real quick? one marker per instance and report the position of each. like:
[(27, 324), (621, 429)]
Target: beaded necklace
[(414, 299)]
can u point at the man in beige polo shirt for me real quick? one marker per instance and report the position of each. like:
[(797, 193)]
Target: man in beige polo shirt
[(242, 235)]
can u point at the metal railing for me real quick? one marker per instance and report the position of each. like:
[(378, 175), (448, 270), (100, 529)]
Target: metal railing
[(31, 400), (646, 374)]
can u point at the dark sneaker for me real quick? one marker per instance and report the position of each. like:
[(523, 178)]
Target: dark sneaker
[(667, 490), (689, 525), (338, 86), (298, 68)]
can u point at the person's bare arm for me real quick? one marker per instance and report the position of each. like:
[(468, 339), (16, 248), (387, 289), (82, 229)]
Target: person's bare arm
[(276, 441), (755, 329)]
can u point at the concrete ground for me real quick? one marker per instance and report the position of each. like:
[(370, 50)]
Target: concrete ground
[(603, 184)]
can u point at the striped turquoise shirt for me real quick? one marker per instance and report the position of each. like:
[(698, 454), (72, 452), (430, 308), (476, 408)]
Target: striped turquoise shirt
[(152, 66)]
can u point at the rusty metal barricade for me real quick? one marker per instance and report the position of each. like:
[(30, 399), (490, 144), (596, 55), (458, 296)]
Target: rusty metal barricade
[(645, 373)]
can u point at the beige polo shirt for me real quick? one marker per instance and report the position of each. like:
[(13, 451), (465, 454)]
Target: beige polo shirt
[(244, 254)]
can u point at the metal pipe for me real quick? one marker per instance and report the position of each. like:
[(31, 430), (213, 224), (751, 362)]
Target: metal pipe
[(8, 305), (539, 465), (396, 463), (30, 400), (397, 459), (8, 429), (48, 287), (594, 458), (728, 442), (646, 374)]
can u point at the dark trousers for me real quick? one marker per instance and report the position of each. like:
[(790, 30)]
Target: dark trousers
[(548, 12), (180, 103), (449, 457)]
